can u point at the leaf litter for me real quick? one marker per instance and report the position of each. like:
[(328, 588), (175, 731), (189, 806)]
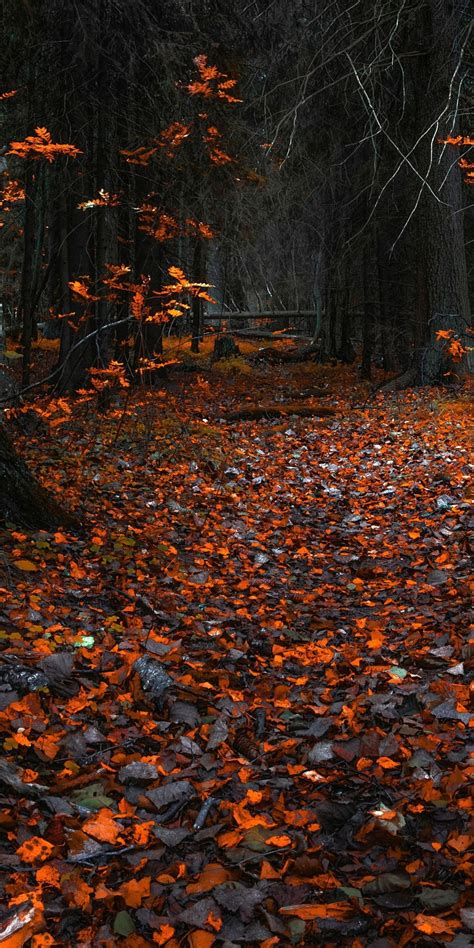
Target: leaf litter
[(235, 708)]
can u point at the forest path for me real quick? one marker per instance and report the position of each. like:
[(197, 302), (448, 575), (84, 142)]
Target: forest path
[(299, 588)]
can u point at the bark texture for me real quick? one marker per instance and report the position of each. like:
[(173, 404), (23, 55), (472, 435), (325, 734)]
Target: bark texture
[(22, 500), (442, 255), (225, 348)]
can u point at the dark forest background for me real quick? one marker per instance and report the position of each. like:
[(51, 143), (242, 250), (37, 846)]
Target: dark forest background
[(327, 187)]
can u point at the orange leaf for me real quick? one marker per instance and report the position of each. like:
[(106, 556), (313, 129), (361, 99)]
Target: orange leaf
[(48, 875), (376, 639), (201, 939), (432, 925), (387, 764), (254, 796), (48, 744), (26, 565), (141, 832), (164, 933), (214, 921), (41, 146), (135, 891), (21, 739), (102, 892), (246, 820), (213, 874), (278, 841), (267, 871), (460, 843), (81, 290), (102, 827), (363, 763), (229, 839), (35, 849)]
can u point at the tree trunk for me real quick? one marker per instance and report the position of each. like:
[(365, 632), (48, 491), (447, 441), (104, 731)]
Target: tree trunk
[(199, 276), (32, 245), (368, 278), (32, 242), (22, 500), (224, 348), (106, 230), (442, 258)]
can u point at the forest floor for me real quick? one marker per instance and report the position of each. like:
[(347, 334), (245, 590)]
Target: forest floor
[(288, 762)]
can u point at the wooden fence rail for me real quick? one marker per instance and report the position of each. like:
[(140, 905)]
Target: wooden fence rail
[(257, 314)]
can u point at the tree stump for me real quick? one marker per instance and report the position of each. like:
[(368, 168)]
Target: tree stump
[(225, 348)]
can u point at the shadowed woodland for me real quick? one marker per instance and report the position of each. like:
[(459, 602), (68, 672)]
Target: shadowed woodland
[(235, 375)]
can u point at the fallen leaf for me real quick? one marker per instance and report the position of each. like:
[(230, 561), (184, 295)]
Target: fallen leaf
[(134, 891), (432, 925), (279, 841), (35, 849), (327, 910), (213, 874), (201, 939), (102, 826), (28, 566)]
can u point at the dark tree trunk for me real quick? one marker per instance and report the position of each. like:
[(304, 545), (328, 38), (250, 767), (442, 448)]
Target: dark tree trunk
[(386, 340), (446, 274), (32, 244), (32, 241), (199, 269), (74, 364), (106, 230), (225, 348), (22, 500), (442, 278), (369, 278), (346, 352)]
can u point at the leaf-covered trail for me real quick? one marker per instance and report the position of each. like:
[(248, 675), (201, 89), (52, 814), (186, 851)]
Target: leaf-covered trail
[(288, 762)]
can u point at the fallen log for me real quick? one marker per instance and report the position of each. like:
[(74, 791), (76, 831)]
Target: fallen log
[(295, 354), (307, 393), (254, 413)]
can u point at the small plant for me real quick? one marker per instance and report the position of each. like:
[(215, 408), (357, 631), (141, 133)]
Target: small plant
[(452, 344)]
